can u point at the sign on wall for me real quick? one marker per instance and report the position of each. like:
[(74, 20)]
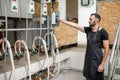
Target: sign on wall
[(31, 7), (14, 5)]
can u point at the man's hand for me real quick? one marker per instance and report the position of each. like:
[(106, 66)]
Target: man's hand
[(71, 24), (100, 68), (58, 19)]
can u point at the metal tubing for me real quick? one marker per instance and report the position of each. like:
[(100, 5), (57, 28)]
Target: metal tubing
[(54, 55), (10, 54), (6, 20), (45, 48), (19, 47), (24, 29), (28, 56), (27, 20)]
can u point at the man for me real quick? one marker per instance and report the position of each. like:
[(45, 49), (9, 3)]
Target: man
[(97, 38)]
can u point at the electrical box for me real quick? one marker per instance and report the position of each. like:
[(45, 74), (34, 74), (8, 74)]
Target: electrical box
[(21, 12), (44, 9), (0, 9), (6, 8), (25, 9), (55, 15), (87, 2)]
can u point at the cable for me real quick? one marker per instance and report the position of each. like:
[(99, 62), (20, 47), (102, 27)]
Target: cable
[(11, 58), (1, 55), (55, 55), (35, 49), (46, 53), (5, 54), (18, 55), (5, 68), (25, 55)]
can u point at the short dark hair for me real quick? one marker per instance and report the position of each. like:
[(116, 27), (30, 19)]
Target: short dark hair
[(97, 16), (74, 20)]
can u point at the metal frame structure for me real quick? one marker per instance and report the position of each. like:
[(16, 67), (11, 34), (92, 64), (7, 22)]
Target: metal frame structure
[(114, 57), (26, 29)]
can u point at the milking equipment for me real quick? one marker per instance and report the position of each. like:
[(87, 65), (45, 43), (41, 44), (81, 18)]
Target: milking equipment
[(23, 10)]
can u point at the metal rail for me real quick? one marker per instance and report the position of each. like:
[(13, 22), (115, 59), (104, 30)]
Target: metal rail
[(114, 54), (24, 29)]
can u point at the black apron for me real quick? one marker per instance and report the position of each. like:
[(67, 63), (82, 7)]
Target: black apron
[(93, 56)]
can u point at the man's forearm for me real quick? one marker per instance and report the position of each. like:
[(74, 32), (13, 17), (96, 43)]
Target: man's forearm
[(104, 58), (74, 25)]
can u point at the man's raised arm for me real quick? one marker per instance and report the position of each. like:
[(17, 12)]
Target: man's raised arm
[(74, 25)]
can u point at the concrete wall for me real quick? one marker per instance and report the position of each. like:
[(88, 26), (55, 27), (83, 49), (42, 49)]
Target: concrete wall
[(83, 17)]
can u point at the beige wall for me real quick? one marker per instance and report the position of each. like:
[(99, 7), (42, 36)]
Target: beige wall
[(65, 35), (110, 13)]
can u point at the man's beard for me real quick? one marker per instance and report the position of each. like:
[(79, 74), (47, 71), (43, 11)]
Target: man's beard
[(92, 25)]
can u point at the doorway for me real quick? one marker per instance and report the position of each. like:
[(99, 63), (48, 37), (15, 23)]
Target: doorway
[(71, 9)]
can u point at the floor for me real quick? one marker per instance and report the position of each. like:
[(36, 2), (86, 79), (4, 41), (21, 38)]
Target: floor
[(69, 75), (72, 74)]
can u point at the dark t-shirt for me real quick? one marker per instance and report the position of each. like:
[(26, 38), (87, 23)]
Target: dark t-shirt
[(94, 54), (100, 35)]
